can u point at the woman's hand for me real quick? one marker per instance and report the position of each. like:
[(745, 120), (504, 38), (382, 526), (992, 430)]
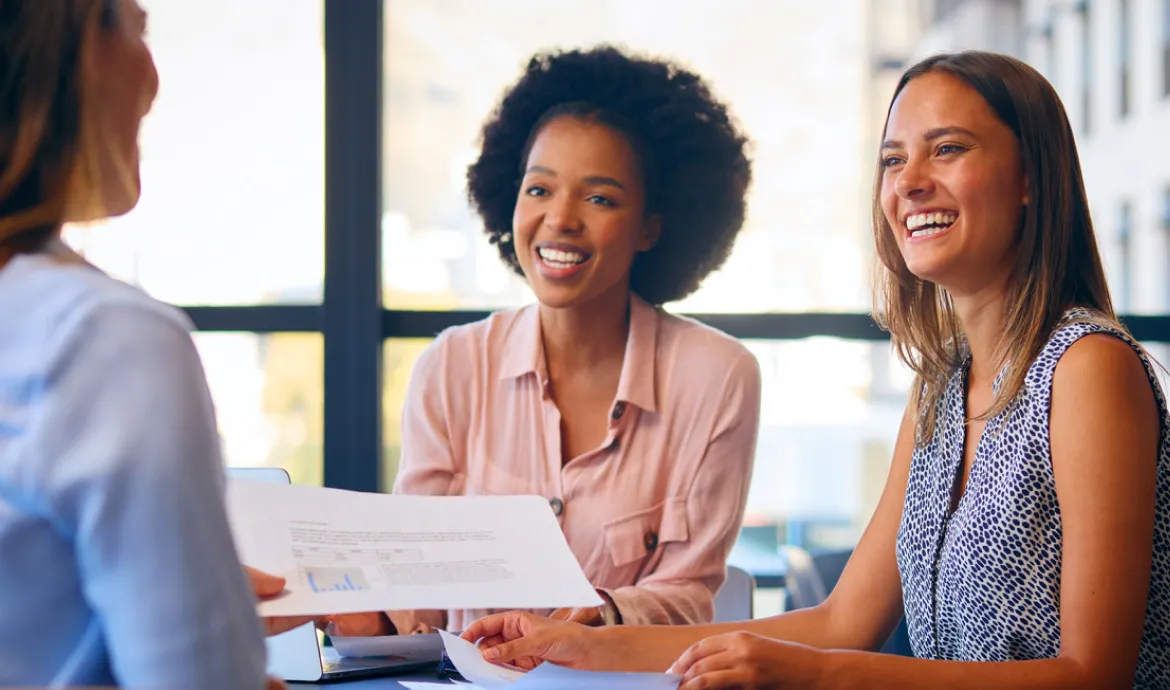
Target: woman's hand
[(266, 586), (588, 615), (525, 640), (749, 662)]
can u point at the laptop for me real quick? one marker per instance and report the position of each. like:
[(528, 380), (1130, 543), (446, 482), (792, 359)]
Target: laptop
[(302, 654)]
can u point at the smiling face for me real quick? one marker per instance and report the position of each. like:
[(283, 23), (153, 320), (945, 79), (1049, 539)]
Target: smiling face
[(952, 187), (581, 215)]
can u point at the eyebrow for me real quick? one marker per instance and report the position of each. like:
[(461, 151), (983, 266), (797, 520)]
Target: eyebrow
[(594, 179), (931, 135)]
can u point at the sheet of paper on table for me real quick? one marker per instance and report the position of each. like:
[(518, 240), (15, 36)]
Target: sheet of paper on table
[(471, 665), (349, 552)]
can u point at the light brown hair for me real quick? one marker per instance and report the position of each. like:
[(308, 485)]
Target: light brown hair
[(1057, 265), (47, 136)]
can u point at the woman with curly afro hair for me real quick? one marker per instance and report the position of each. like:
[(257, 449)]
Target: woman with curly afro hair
[(613, 184)]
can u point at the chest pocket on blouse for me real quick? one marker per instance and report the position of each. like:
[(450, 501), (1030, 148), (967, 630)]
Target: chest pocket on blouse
[(635, 541)]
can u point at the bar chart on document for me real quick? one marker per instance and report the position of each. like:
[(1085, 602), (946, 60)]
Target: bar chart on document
[(345, 561), (335, 579)]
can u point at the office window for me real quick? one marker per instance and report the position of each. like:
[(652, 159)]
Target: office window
[(1165, 48), (1164, 221), (232, 209), (805, 245), (1052, 52), (1087, 67), (1124, 55), (268, 394), (1125, 279)]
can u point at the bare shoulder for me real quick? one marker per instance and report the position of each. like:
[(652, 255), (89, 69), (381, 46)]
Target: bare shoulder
[(1103, 404), (1100, 363)]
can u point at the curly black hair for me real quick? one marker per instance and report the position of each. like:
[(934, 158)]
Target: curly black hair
[(695, 165)]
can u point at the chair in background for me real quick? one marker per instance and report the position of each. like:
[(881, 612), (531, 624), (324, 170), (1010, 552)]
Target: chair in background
[(812, 576), (804, 584), (734, 600)]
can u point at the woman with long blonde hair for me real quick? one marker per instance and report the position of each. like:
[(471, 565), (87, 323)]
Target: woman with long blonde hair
[(118, 566), (1024, 530)]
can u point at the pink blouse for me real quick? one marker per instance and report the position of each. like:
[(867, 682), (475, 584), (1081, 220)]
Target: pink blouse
[(653, 512)]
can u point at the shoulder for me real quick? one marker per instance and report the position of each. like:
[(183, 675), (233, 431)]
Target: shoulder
[(1098, 362), (708, 358), (480, 346), (1104, 401), (60, 308)]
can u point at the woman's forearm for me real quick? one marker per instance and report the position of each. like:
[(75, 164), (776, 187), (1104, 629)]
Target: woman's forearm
[(848, 670), (653, 648)]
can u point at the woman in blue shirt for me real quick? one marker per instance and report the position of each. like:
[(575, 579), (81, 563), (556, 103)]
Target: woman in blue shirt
[(118, 563)]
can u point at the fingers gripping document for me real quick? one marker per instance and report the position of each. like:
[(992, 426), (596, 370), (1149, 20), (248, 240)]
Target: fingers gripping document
[(487, 676), (349, 552)]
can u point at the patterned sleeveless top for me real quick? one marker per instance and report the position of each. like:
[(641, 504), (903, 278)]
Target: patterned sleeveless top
[(983, 583)]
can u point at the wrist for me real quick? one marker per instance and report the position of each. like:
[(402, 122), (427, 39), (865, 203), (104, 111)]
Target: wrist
[(831, 669), (613, 650)]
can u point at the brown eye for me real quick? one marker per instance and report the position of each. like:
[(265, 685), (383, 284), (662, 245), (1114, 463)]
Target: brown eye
[(601, 201)]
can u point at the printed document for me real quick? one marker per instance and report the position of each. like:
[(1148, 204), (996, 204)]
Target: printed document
[(349, 552)]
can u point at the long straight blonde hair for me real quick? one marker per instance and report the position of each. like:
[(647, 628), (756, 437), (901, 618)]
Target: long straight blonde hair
[(1057, 264), (48, 136)]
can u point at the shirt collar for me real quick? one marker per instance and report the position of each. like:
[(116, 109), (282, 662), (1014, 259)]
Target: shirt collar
[(636, 386)]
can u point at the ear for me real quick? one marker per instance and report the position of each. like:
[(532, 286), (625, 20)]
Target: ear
[(1027, 191), (651, 231)]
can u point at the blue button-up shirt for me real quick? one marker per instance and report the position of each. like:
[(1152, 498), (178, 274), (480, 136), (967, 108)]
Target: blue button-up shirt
[(116, 561)]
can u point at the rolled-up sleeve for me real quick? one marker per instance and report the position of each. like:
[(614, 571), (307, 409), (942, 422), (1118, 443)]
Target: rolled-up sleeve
[(132, 473), (682, 588)]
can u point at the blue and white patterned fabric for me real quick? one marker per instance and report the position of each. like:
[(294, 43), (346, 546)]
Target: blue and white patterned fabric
[(983, 583)]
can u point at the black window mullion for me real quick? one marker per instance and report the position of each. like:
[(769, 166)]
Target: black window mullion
[(352, 315)]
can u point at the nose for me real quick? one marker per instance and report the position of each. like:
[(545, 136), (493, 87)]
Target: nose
[(561, 215), (914, 181)]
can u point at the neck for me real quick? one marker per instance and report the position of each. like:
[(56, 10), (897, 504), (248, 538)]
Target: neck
[(982, 316), (581, 337)]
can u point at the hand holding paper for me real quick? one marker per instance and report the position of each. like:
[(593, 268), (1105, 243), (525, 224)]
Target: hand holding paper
[(526, 640), (266, 586)]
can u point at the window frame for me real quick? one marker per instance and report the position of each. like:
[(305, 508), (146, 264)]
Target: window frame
[(351, 317)]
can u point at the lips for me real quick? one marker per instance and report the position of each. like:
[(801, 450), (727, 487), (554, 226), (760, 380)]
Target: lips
[(559, 260), (929, 222)]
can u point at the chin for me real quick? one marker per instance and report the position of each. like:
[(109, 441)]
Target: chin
[(558, 298), (124, 206), (932, 267)]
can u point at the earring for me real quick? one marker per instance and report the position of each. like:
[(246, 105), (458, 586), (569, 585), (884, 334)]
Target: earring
[(505, 238)]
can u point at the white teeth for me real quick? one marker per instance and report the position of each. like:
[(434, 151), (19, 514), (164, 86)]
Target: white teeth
[(927, 232), (556, 258), (942, 218)]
